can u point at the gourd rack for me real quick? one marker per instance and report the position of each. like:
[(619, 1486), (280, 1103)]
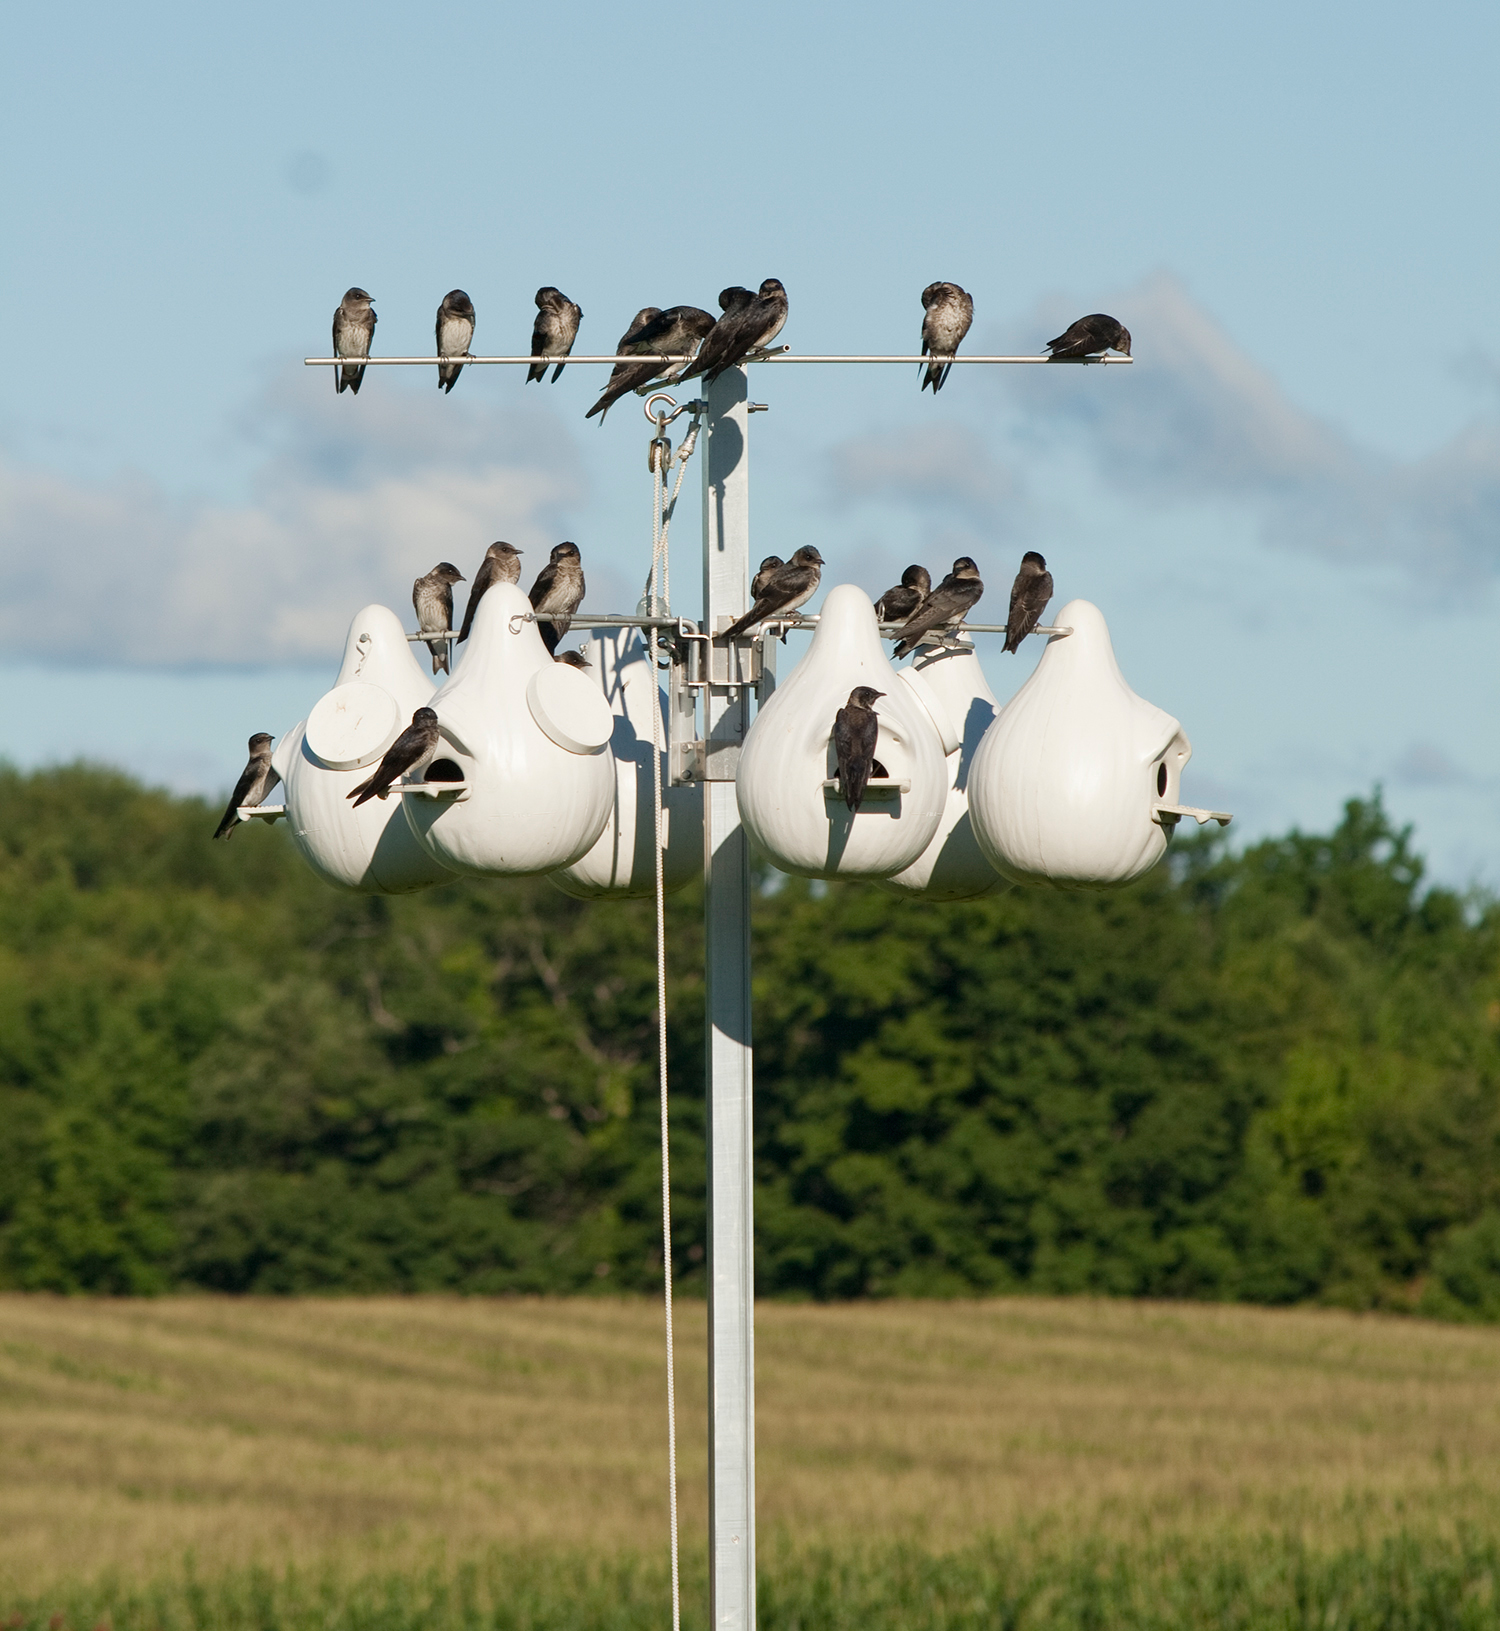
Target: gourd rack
[(708, 752)]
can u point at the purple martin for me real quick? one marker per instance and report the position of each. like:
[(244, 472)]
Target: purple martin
[(256, 780), (574, 659), (455, 329), (856, 729), (433, 598), (1089, 336), (741, 330), (768, 568), (353, 329), (1029, 595), (412, 751), (501, 564), (675, 332), (553, 333), (897, 604), (558, 589), (952, 601), (950, 311), (789, 587), (638, 324)]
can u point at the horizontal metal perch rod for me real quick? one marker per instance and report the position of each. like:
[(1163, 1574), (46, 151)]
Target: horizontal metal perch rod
[(617, 620), (666, 361)]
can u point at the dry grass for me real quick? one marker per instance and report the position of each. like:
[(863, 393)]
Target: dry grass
[(370, 1432)]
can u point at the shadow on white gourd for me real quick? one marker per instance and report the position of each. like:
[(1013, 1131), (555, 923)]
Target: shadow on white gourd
[(952, 687), (622, 862), (379, 687), (1066, 784), (797, 822), (528, 737)]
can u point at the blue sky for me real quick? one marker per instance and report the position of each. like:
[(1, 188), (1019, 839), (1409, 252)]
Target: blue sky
[(1289, 510)]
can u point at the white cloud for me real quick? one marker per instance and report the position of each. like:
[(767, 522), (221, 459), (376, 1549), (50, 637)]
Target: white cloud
[(354, 497)]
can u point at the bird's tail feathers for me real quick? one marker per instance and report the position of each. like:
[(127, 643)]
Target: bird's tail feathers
[(538, 370), (557, 372)]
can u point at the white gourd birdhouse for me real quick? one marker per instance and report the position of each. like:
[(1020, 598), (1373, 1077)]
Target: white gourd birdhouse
[(528, 737), (789, 800), (379, 687), (622, 862), (952, 687), (1067, 786)]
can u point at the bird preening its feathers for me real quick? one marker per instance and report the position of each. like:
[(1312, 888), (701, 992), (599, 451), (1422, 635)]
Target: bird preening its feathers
[(1089, 336), (746, 326), (856, 730), (555, 329), (455, 331), (950, 312), (558, 590), (432, 596), (764, 573), (412, 751), (256, 781), (677, 331), (353, 329), (897, 604)]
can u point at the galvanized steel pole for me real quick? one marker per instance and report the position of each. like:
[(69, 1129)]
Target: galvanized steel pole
[(731, 1249)]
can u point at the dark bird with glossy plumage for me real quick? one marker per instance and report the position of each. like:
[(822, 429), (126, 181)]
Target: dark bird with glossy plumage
[(856, 729), (741, 330), (412, 751), (501, 564), (1029, 595), (897, 604), (788, 587), (952, 601), (1089, 336), (675, 332)]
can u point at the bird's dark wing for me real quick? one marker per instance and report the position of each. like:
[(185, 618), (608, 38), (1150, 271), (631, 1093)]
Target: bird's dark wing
[(951, 600), (855, 733), (250, 783), (402, 754), (897, 604), (1028, 600), (788, 584), (545, 579), (483, 578), (541, 333)]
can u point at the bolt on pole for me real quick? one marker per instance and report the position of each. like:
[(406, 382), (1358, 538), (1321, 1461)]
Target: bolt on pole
[(731, 1251)]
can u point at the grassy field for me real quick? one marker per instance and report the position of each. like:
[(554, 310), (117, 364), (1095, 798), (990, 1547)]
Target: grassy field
[(405, 1440)]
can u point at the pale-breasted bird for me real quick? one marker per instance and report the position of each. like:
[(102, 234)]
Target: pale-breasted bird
[(953, 599), (559, 590), (455, 331), (897, 604), (432, 596), (353, 330), (856, 729), (741, 330), (256, 780), (412, 751), (1029, 595), (555, 329), (1089, 336), (501, 564), (789, 587), (950, 311)]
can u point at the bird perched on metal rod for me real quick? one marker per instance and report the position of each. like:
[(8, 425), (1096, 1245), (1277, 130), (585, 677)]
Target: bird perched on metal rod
[(455, 331), (559, 590), (950, 312), (741, 330), (412, 751), (553, 333), (897, 604), (256, 780), (353, 329), (1089, 336), (952, 601), (1029, 595), (856, 729), (675, 332), (501, 564), (766, 571), (787, 588), (432, 596)]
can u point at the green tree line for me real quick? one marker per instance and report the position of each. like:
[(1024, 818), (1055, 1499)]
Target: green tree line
[(1271, 1076)]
